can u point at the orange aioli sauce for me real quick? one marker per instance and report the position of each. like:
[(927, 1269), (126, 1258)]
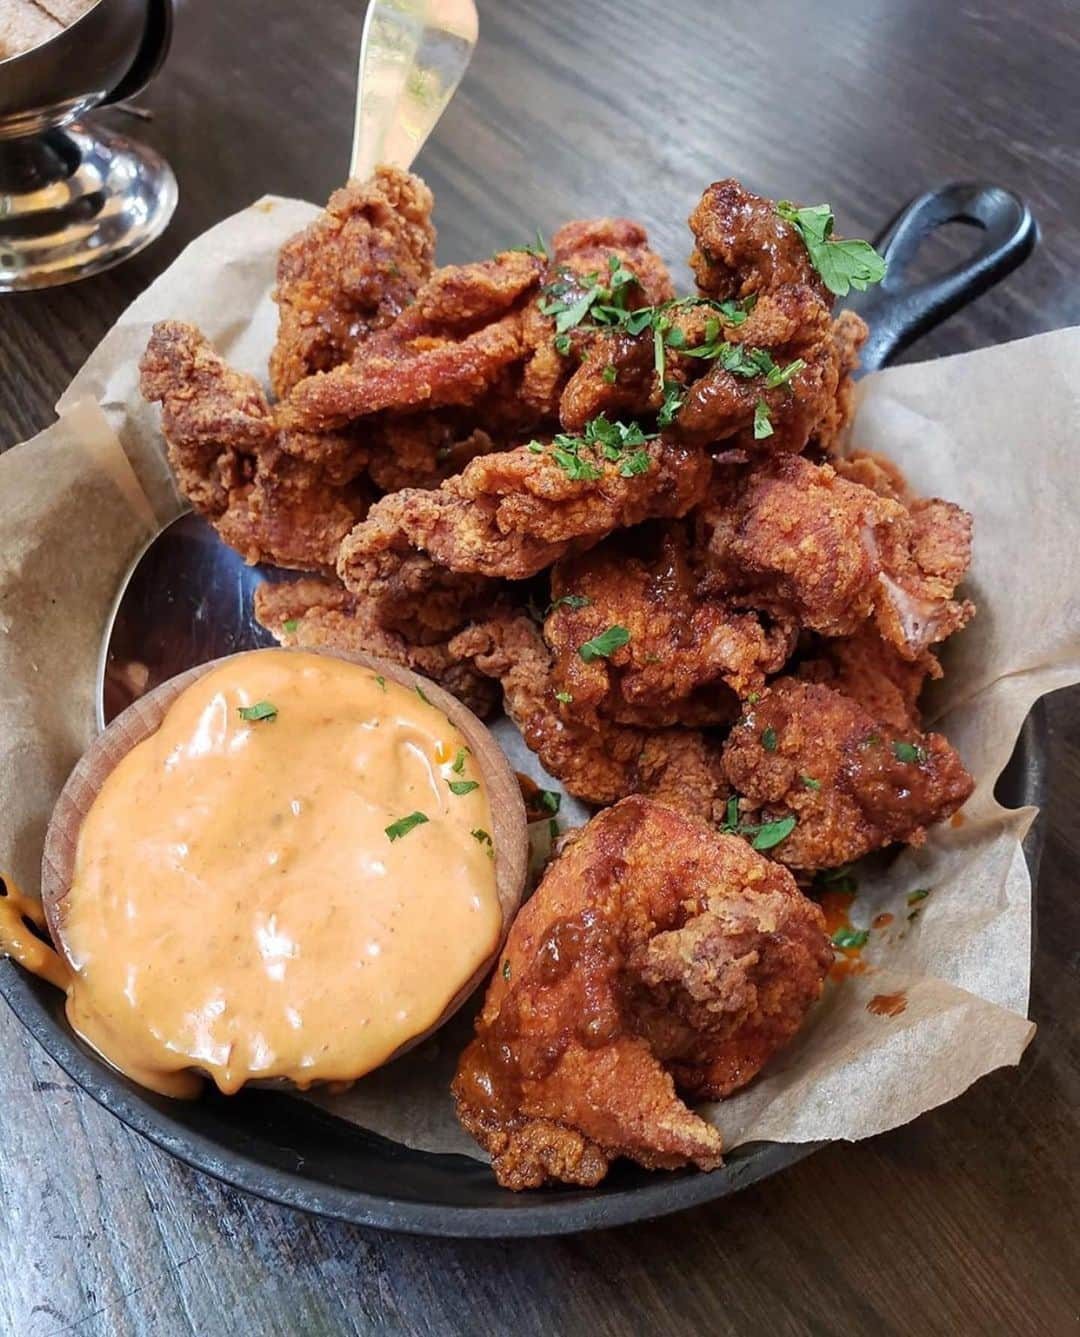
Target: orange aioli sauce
[(17, 939), (238, 906), (835, 906)]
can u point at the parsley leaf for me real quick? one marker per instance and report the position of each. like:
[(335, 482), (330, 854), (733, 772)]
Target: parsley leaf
[(480, 835), (610, 375), (768, 738), (540, 249), (564, 697), (420, 693), (838, 879), (600, 647), (381, 681), (919, 895), (562, 344), (850, 937), (779, 376), (290, 624), (843, 265), (673, 402), (569, 601), (404, 825), (550, 799), (261, 710), (809, 782), (458, 764), (909, 752), (762, 422), (460, 787), (772, 833)]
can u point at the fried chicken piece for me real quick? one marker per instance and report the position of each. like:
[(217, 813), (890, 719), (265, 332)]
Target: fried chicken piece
[(350, 272), (316, 614), (797, 540), (653, 950), (687, 656), (596, 760), (853, 782), (448, 348), (423, 451), (793, 325), (512, 513), (274, 494), (872, 672), (743, 246), (570, 383)]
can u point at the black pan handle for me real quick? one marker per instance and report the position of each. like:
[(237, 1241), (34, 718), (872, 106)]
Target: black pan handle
[(154, 47), (897, 312)]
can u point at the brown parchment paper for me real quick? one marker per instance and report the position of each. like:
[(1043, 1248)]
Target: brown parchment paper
[(993, 430)]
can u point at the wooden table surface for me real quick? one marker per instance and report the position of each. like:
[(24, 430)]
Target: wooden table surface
[(965, 1221)]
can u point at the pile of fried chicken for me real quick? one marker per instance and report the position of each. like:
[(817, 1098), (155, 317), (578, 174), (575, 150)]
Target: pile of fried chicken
[(635, 522)]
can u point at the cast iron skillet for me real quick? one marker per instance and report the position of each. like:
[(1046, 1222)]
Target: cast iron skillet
[(292, 1152)]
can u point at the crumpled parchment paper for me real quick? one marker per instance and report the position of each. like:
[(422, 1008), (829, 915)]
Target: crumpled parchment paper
[(992, 430)]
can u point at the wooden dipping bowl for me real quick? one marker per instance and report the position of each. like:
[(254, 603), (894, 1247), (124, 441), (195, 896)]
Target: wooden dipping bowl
[(144, 717)]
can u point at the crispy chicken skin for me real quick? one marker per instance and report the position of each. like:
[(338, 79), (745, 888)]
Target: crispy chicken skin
[(596, 760), (688, 657), (853, 782), (654, 955), (350, 272), (274, 494), (512, 513), (799, 540), (743, 246), (873, 673), (317, 614)]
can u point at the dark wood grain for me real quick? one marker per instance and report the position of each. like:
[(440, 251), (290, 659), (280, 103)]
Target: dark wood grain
[(964, 1222)]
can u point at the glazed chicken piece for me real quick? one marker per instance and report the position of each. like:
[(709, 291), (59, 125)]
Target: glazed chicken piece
[(274, 494), (686, 658), (479, 336), (872, 672), (596, 760), (350, 272), (854, 783), (798, 540), (654, 956), (512, 513), (316, 614)]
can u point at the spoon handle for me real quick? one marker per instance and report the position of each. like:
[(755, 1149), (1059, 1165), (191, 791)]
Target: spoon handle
[(412, 57)]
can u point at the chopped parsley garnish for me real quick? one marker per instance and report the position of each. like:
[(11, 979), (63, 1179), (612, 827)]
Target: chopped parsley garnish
[(569, 601), (837, 879), (261, 710), (915, 897), (772, 833), (754, 698), (842, 264), (540, 249), (602, 440), (404, 825), (850, 937), (458, 764), (550, 799), (290, 624), (610, 375), (809, 782), (553, 829), (673, 402), (908, 752), (460, 787), (506, 970), (779, 376), (480, 835), (768, 738), (381, 681), (573, 297), (600, 647), (564, 697), (762, 422), (763, 837), (562, 344)]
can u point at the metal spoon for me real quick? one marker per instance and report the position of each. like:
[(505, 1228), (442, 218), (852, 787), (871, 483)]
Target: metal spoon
[(187, 598)]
